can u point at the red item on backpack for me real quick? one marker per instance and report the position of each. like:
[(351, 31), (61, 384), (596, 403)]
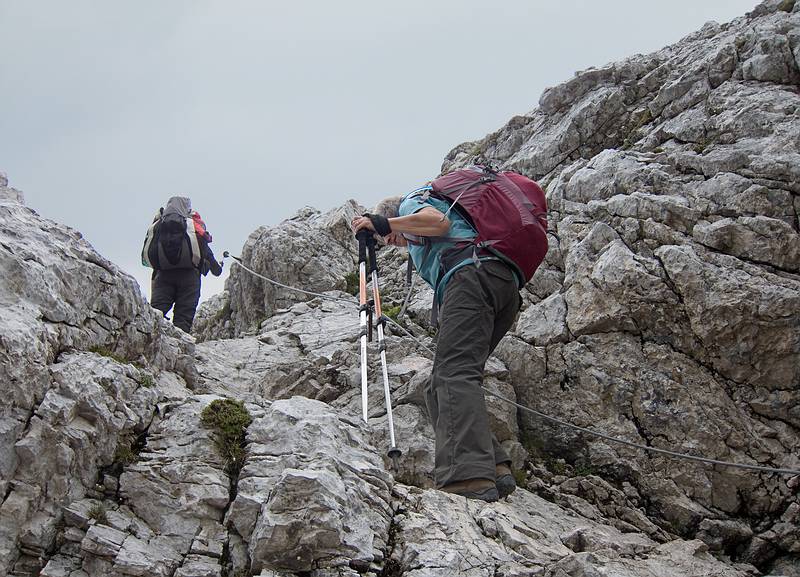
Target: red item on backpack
[(200, 226), (508, 211)]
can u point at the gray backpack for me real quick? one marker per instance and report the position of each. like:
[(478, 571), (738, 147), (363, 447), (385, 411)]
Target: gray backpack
[(171, 241)]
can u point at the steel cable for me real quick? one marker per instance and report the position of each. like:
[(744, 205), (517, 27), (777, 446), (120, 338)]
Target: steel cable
[(540, 414), (238, 261)]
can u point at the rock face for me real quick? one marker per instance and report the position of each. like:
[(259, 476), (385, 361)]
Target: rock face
[(310, 250), (80, 356), (665, 315), (666, 311)]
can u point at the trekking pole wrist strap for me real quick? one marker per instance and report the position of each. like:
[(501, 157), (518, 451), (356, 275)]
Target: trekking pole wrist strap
[(379, 223)]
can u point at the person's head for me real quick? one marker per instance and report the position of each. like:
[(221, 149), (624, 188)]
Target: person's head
[(388, 207), (179, 204)]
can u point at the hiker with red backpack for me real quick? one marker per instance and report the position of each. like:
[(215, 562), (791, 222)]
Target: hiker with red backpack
[(476, 236), (176, 248)]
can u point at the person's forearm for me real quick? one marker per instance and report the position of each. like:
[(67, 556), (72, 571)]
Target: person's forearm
[(422, 223)]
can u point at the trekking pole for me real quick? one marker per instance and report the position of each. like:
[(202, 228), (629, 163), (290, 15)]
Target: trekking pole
[(394, 453), (362, 236)]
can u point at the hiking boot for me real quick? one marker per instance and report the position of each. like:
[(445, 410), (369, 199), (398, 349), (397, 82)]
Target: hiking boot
[(505, 480), (481, 489)]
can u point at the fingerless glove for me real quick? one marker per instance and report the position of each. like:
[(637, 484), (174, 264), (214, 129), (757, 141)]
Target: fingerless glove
[(380, 223)]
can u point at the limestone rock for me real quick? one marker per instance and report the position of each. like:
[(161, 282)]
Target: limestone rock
[(328, 493), (667, 299), (178, 486), (310, 250), (664, 315)]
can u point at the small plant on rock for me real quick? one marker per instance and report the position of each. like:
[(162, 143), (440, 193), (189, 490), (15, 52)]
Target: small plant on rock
[(556, 466), (146, 380), (104, 352), (584, 470), (352, 281), (392, 312), (125, 453), (229, 419), (98, 513)]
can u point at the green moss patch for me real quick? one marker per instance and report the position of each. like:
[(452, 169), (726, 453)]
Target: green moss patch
[(125, 454), (351, 281), (104, 352), (229, 419), (146, 380), (392, 312)]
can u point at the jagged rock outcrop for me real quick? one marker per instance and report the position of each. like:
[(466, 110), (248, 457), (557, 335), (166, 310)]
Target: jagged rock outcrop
[(666, 311), (311, 249), (665, 315), (81, 356)]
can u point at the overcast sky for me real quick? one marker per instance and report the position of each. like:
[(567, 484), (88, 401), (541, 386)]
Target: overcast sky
[(257, 108)]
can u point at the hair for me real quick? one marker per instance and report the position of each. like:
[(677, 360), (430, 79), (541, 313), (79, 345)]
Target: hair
[(388, 207)]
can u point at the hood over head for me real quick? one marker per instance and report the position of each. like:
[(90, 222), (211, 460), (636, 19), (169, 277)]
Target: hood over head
[(179, 204)]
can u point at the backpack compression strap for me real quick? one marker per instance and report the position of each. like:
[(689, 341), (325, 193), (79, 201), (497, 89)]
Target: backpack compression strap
[(515, 194)]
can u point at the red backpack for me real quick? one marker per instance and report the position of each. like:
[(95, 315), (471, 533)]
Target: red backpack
[(508, 211)]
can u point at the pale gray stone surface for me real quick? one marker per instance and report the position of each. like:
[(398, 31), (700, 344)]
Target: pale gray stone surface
[(329, 492), (178, 486), (311, 249), (665, 314)]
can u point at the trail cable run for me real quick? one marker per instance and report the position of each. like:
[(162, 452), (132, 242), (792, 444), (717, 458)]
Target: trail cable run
[(539, 414)]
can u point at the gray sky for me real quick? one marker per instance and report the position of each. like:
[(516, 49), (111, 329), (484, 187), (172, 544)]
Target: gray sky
[(257, 108)]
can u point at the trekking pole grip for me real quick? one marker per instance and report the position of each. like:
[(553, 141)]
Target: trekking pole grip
[(363, 236), (373, 262)]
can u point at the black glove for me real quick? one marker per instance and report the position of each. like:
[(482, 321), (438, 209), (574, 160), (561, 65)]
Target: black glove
[(214, 266), (379, 223)]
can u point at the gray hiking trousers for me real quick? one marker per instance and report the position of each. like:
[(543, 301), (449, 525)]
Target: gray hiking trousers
[(480, 304)]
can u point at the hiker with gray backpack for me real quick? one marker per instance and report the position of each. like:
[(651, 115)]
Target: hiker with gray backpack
[(476, 236), (176, 248)]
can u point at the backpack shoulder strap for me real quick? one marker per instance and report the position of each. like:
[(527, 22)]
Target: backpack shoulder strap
[(148, 238), (193, 242), (422, 191)]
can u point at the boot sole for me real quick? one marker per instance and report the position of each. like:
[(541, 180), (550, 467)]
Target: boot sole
[(489, 495)]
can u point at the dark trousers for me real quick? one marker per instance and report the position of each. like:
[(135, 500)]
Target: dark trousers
[(480, 304), (180, 288)]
